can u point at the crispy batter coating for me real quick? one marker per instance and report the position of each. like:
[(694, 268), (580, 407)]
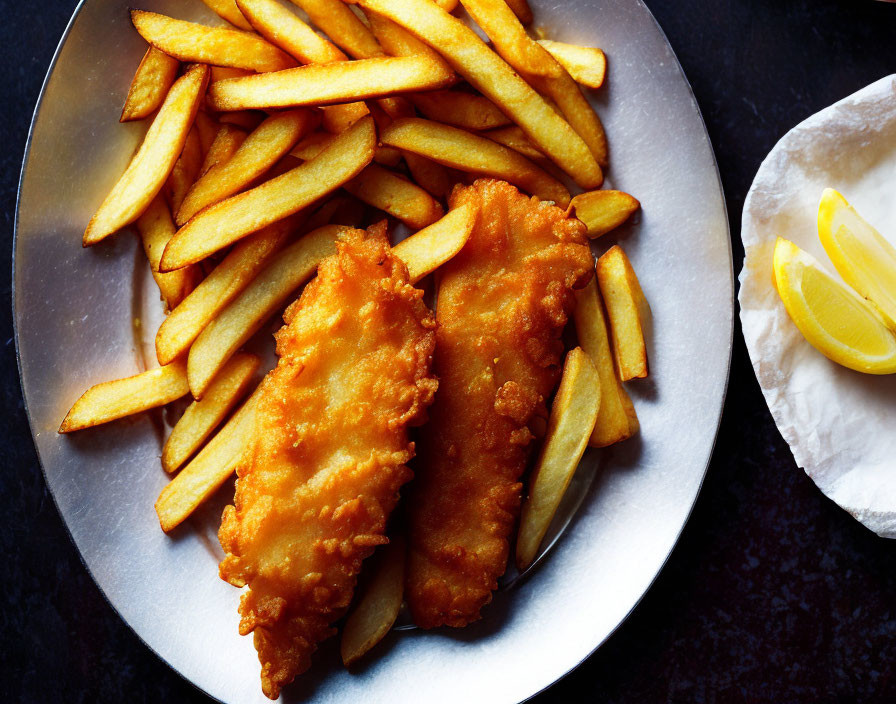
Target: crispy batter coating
[(502, 304), (328, 456)]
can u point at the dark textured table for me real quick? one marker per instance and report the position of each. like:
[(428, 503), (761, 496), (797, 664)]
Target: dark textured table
[(773, 593)]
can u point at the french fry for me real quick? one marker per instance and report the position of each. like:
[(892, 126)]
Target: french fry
[(219, 73), (377, 607), (426, 250), (112, 400), (186, 170), (342, 26), (202, 417), (156, 228), (434, 177), (227, 9), (150, 167), (151, 82), (225, 282), (220, 46), (497, 81), (461, 109), (537, 64), (206, 128), (245, 315), (387, 156), (627, 311), (226, 142), (325, 84), (397, 41), (340, 210), (586, 64), (464, 150), (263, 148), (447, 5), (395, 195), (602, 211), (616, 420), (209, 469), (228, 221), (283, 28), (573, 414), (312, 145), (245, 119), (338, 118), (522, 10), (517, 140)]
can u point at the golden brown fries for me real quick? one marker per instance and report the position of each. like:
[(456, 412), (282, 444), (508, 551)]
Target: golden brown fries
[(230, 220), (156, 228), (267, 294), (428, 249), (602, 211), (464, 150), (153, 78), (227, 140), (342, 26), (492, 77), (312, 145), (396, 196), (572, 419), (586, 64), (536, 64), (219, 73), (189, 41), (208, 470), (227, 9), (150, 167), (111, 400), (616, 420), (325, 84), (459, 108), (516, 139), (202, 417), (397, 41), (263, 148), (522, 10), (434, 177), (340, 210), (627, 310), (283, 28), (186, 170), (222, 285), (377, 607), (206, 127)]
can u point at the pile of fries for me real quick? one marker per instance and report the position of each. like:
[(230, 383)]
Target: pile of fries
[(266, 139)]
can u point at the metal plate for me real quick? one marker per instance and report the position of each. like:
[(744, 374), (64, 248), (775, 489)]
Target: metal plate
[(74, 310)]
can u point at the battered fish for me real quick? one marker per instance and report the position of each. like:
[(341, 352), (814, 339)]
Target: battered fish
[(502, 304), (329, 450)]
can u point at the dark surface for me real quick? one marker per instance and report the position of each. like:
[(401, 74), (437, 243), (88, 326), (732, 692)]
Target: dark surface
[(773, 593)]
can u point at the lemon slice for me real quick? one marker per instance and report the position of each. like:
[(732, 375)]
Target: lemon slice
[(864, 259), (838, 323)]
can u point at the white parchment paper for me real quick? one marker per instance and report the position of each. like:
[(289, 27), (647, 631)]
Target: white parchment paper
[(840, 424)]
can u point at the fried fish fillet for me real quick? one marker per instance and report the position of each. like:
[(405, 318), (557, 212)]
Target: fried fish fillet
[(502, 304), (329, 450)]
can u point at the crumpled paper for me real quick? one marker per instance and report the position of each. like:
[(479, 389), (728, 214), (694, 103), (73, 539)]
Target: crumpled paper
[(840, 424)]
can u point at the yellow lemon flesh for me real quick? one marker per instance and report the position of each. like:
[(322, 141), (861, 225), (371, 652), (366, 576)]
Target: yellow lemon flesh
[(864, 259), (838, 323)]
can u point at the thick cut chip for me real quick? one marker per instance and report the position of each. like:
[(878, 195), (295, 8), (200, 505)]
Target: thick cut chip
[(111, 400), (228, 10), (572, 419), (202, 417), (516, 139), (378, 605), (428, 249), (434, 177), (156, 228), (396, 40), (537, 64), (228, 139), (222, 285), (312, 145), (263, 148), (459, 108), (186, 170), (602, 211), (522, 10), (627, 310), (464, 150), (150, 167), (153, 78), (206, 126), (586, 64), (395, 195), (267, 294), (283, 28), (230, 220), (616, 420), (208, 470), (494, 78), (220, 46), (325, 84), (342, 26), (246, 119)]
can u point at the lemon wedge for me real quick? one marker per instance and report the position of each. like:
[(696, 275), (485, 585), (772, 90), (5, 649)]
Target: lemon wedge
[(864, 259), (837, 322)]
